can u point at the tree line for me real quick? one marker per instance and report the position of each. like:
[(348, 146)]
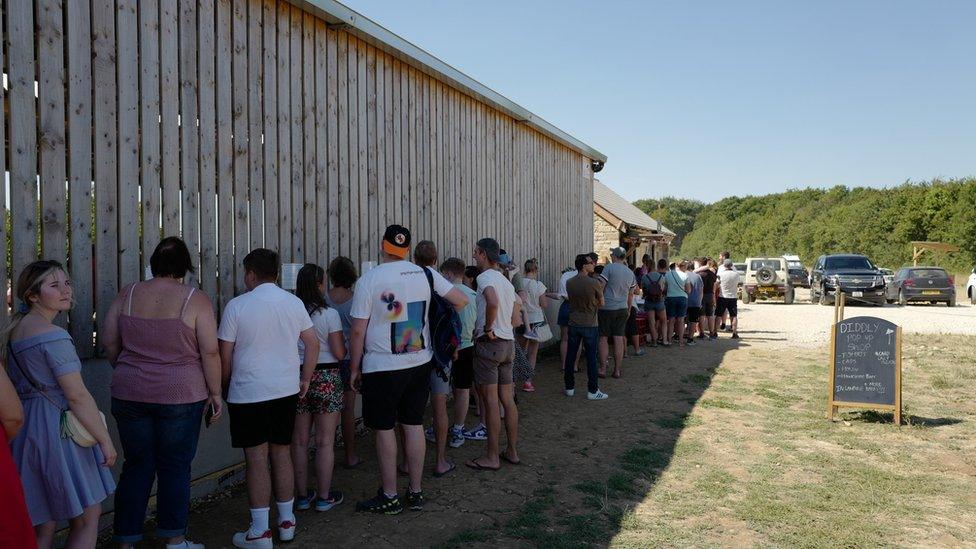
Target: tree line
[(880, 223)]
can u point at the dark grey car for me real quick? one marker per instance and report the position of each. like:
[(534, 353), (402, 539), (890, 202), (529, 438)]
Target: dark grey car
[(914, 284)]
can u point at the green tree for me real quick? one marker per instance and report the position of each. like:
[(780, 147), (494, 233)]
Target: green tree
[(677, 214)]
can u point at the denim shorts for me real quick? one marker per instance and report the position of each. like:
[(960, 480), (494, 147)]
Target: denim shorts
[(676, 307), (654, 305), (563, 318)]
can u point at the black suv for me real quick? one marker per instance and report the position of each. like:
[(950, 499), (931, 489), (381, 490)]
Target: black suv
[(852, 274)]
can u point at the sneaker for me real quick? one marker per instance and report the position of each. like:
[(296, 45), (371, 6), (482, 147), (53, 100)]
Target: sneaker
[(305, 503), (528, 387), (712, 337), (570, 392), (415, 500), (247, 539), (478, 433), (381, 504), (456, 438), (640, 353), (701, 336), (186, 544), (429, 434), (721, 326), (326, 504), (286, 531), (690, 342), (598, 395), (735, 335)]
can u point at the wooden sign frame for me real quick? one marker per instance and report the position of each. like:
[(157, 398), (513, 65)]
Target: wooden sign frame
[(833, 405)]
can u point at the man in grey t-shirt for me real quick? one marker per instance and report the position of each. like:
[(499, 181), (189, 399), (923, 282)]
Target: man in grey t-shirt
[(613, 314)]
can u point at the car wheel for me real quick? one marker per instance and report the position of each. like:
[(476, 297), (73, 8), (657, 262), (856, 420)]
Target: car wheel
[(745, 298), (901, 298), (972, 296), (951, 302), (788, 298), (823, 297)]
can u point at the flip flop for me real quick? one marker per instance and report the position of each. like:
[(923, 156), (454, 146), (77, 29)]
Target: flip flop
[(479, 467), (615, 375), (449, 469), (353, 466), (505, 458), (402, 473)]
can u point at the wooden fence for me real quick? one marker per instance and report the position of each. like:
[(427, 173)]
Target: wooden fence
[(247, 123)]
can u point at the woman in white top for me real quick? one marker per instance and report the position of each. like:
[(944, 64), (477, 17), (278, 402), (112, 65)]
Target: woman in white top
[(532, 293), (324, 401)]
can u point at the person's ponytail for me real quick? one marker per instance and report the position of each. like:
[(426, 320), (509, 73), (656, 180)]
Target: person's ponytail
[(28, 283)]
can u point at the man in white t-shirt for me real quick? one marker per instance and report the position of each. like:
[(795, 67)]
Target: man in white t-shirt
[(260, 371), (494, 352), (390, 362), (728, 285)]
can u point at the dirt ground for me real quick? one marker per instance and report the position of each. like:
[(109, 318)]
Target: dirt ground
[(724, 443)]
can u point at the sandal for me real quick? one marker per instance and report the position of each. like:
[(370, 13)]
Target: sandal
[(479, 467), (616, 374), (449, 469), (504, 457)]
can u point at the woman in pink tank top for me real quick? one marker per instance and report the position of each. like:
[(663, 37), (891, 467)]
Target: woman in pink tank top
[(161, 337)]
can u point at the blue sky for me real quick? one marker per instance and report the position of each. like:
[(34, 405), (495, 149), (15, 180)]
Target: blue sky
[(711, 99)]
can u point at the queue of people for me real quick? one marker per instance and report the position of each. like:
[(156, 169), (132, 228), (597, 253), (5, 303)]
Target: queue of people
[(287, 368)]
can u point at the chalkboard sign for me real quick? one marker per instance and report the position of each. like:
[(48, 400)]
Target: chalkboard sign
[(866, 365)]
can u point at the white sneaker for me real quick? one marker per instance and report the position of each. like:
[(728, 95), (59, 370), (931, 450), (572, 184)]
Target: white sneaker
[(245, 539), (286, 531), (598, 395), (570, 392), (187, 544)]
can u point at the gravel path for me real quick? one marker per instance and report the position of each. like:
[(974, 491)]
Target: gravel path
[(804, 324)]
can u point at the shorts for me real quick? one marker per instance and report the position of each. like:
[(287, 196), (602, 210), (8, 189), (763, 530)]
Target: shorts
[(729, 304), (631, 329), (255, 423), (438, 385), (654, 305), (398, 396), (694, 313), (324, 392), (676, 307), (462, 370), (493, 361), (344, 374), (613, 323), (562, 318), (708, 307)]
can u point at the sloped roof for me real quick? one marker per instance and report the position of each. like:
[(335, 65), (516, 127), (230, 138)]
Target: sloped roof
[(625, 211)]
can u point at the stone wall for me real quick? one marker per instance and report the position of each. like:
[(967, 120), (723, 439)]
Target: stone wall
[(605, 236)]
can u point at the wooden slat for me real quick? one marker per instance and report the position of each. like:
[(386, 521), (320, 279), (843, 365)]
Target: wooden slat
[(23, 136), (435, 168), (255, 156), (342, 102), (362, 237), (323, 199), (229, 277), (51, 138), (127, 59), (80, 174), (353, 233), (309, 228), (207, 273), (106, 175), (269, 97), (423, 226), (4, 234), (412, 137), (189, 136), (284, 131), (387, 180), (170, 130), (332, 91), (297, 147), (239, 119), (149, 148), (397, 110), (372, 187)]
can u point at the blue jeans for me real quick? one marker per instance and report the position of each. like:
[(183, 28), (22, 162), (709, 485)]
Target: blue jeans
[(587, 336), (158, 442)]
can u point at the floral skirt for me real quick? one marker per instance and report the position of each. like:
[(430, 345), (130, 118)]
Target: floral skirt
[(324, 393)]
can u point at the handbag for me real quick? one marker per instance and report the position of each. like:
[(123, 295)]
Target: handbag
[(540, 331), (70, 425)]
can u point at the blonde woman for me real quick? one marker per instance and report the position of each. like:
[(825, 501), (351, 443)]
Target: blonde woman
[(71, 481)]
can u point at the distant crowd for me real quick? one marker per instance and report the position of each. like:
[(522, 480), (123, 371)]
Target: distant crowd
[(288, 368)]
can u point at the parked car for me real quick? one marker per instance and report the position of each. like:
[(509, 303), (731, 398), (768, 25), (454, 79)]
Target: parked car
[(888, 275), (799, 275), (852, 274), (914, 284), (741, 268), (971, 287), (767, 278)]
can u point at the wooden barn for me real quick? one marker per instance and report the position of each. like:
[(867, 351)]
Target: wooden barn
[(617, 222)]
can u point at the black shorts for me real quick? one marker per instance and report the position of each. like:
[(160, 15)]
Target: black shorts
[(462, 370), (708, 307), (631, 329), (612, 322), (727, 304), (255, 423), (694, 313), (395, 397)]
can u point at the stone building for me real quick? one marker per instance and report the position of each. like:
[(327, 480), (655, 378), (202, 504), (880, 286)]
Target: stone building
[(617, 222)]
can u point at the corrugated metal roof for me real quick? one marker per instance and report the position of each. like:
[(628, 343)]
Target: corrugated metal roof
[(339, 14), (625, 211)]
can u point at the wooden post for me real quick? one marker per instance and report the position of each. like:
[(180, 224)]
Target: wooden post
[(842, 300), (831, 409), (898, 376)]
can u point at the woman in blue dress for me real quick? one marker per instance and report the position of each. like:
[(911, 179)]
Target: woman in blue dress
[(62, 480)]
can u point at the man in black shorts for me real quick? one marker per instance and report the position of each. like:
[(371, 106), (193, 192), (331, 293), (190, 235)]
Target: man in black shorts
[(391, 360), (728, 283), (258, 338)]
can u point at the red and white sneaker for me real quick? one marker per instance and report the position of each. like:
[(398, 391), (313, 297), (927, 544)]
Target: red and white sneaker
[(247, 539), (528, 387), (286, 531)]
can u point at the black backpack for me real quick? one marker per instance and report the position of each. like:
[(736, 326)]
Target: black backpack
[(445, 329)]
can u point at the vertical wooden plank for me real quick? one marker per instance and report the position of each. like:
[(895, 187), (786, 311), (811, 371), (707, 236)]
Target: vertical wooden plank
[(387, 179), (412, 139), (127, 63), (106, 176), (332, 101), (342, 102), (80, 174), (170, 130), (226, 259), (270, 103), (364, 238), (255, 156), (425, 186), (284, 131), (323, 199), (370, 243), (50, 60), (436, 215), (396, 110), (23, 137), (149, 159), (310, 226), (4, 234), (354, 231), (240, 127), (189, 136), (297, 225), (208, 154)]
